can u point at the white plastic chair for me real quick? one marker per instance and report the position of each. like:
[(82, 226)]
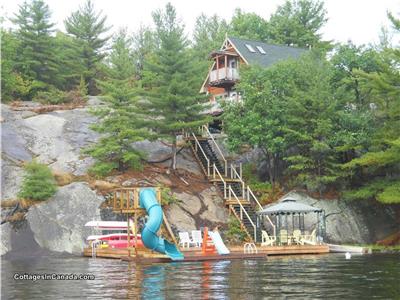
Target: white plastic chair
[(266, 239), (196, 238), (184, 239)]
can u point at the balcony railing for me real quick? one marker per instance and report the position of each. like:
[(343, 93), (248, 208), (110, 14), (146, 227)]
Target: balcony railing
[(224, 73)]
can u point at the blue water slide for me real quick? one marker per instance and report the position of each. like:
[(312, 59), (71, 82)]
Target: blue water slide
[(148, 201)]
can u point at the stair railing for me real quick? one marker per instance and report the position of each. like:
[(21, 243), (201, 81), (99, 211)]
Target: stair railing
[(197, 145), (217, 173), (236, 175), (208, 133), (250, 195), (243, 210)]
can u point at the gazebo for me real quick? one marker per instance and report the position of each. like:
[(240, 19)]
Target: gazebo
[(279, 214)]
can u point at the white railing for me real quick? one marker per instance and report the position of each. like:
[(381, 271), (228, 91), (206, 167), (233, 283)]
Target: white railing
[(250, 195), (216, 172), (250, 248), (224, 73), (197, 145), (243, 210), (236, 175)]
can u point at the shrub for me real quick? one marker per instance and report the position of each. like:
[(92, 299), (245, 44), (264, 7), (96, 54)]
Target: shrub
[(38, 182), (167, 197), (51, 96), (235, 233)]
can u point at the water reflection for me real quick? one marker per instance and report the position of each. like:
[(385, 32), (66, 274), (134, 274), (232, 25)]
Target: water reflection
[(308, 277)]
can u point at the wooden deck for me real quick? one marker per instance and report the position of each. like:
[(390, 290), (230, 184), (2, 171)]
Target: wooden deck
[(194, 254)]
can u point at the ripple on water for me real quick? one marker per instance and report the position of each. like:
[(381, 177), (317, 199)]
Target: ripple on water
[(305, 277)]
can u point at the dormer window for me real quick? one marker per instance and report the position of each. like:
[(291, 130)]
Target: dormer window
[(250, 48)]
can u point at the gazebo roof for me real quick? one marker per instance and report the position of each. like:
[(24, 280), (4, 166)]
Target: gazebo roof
[(288, 206)]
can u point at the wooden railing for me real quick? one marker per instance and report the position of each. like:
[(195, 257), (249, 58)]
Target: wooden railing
[(242, 211), (216, 174), (210, 136)]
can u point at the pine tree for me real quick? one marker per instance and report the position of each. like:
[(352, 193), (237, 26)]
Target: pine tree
[(173, 102), (38, 182), (297, 22), (121, 124), (377, 169), (89, 28), (35, 53), (121, 58)]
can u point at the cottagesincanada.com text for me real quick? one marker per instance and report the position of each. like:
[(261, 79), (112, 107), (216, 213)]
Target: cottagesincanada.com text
[(53, 276)]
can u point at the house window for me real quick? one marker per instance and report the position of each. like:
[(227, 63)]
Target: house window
[(261, 50), (250, 48)]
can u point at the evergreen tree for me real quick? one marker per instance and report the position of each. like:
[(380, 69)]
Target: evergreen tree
[(89, 28), (208, 35), (297, 23), (376, 170), (144, 45), (121, 124), (172, 101), (35, 59), (38, 182), (121, 58), (249, 26)]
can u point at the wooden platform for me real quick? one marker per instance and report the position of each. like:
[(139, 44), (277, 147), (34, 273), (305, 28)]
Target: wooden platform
[(194, 254)]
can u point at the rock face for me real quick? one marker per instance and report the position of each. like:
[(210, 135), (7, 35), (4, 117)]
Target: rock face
[(352, 222), (58, 224), (5, 243), (194, 211)]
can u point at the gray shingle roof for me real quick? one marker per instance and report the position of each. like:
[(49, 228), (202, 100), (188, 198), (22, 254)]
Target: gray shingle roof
[(274, 53), (288, 206)]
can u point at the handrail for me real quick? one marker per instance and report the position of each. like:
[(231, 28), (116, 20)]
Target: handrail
[(215, 170), (205, 128), (243, 209), (250, 192), (202, 151)]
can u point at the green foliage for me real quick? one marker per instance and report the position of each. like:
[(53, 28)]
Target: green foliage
[(144, 45), (89, 27), (35, 58), (51, 96), (121, 124), (297, 23), (167, 197), (121, 58), (249, 26), (235, 232), (172, 99), (38, 182)]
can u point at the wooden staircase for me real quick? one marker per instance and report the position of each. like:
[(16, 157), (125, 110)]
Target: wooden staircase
[(238, 196)]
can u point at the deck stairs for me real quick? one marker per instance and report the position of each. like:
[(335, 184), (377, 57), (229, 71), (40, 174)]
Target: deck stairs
[(227, 176)]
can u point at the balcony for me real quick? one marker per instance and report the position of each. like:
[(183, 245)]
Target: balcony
[(224, 76)]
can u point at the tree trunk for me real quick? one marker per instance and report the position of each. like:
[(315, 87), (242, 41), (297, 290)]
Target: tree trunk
[(173, 160)]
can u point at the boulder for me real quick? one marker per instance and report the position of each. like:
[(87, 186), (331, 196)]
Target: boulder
[(58, 224), (11, 179), (179, 219), (214, 211)]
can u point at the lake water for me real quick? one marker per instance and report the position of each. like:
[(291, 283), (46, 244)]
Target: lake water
[(293, 277)]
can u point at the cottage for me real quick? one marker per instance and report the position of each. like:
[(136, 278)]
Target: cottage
[(234, 53)]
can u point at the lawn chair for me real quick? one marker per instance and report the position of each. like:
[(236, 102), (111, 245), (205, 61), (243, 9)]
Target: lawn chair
[(310, 239), (297, 237), (184, 239), (267, 240), (196, 238), (284, 239)]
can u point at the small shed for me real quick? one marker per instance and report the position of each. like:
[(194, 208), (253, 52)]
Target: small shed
[(282, 212)]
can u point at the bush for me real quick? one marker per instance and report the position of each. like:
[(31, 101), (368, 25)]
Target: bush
[(51, 96), (167, 196), (38, 182), (235, 233)]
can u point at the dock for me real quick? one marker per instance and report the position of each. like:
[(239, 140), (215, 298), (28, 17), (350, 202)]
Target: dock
[(194, 254)]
